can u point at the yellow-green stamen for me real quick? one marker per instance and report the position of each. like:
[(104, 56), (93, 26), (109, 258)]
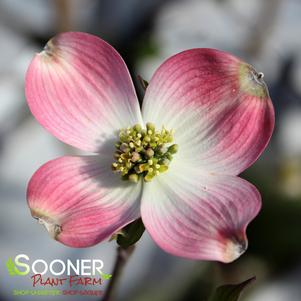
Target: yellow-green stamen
[(143, 153)]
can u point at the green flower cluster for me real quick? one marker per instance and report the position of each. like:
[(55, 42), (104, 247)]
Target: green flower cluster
[(143, 153)]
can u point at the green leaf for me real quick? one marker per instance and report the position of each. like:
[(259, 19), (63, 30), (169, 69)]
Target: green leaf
[(10, 267), (131, 233), (230, 292)]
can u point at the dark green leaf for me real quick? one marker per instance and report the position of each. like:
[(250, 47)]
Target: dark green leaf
[(230, 292), (131, 233)]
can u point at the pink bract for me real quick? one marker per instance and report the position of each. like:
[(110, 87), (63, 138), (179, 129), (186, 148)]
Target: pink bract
[(80, 90)]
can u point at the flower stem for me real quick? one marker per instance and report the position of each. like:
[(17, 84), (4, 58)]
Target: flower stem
[(123, 254)]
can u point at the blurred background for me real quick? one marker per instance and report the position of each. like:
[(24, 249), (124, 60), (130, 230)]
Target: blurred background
[(264, 33)]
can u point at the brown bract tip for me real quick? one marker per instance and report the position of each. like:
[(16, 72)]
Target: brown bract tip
[(235, 246), (49, 50), (251, 81), (52, 226)]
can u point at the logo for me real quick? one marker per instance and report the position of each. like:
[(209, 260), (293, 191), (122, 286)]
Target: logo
[(73, 274)]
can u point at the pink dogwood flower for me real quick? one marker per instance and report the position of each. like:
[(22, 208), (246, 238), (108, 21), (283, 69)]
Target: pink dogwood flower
[(206, 117)]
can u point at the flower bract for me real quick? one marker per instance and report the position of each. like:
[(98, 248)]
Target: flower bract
[(206, 117)]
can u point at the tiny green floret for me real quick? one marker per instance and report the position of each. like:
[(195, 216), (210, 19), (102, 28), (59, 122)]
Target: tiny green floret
[(143, 153)]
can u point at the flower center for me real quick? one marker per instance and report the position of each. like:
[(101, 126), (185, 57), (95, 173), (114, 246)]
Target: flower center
[(143, 153)]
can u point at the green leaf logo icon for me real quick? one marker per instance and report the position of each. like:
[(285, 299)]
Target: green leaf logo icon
[(105, 276), (11, 268)]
